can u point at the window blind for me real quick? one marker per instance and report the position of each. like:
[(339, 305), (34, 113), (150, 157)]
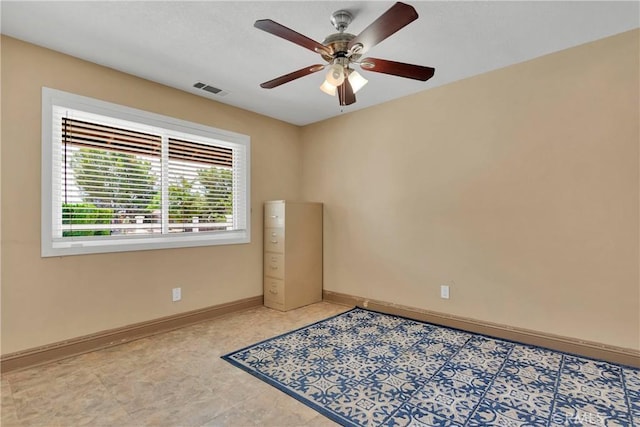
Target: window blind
[(118, 181), (109, 181), (101, 136), (201, 189)]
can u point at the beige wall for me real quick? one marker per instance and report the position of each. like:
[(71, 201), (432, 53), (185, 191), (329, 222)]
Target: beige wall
[(519, 188), (46, 300)]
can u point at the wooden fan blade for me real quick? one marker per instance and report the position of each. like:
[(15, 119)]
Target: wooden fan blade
[(292, 76), (345, 93), (397, 17), (280, 30), (410, 71)]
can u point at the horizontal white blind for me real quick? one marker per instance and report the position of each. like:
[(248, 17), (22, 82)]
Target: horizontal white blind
[(93, 135), (200, 187), (110, 179), (240, 187), (118, 181), (200, 153)]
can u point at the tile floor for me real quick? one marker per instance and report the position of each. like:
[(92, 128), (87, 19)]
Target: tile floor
[(171, 379)]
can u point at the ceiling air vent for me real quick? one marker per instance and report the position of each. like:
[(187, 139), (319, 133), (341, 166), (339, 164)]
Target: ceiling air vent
[(211, 89)]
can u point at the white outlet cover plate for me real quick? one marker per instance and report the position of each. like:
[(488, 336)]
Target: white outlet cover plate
[(444, 291), (177, 294)]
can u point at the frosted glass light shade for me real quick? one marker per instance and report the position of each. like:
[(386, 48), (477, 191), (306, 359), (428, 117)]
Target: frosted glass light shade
[(328, 88), (357, 81), (335, 75)]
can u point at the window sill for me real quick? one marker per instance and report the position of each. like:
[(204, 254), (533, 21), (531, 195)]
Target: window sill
[(68, 246)]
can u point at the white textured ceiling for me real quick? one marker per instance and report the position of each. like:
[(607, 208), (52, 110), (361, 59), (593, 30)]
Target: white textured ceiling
[(178, 43)]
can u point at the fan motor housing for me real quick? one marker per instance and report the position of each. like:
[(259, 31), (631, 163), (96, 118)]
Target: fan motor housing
[(338, 44)]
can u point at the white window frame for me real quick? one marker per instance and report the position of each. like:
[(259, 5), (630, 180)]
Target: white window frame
[(51, 246)]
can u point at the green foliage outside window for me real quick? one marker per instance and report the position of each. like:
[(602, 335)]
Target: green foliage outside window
[(114, 180), (82, 214), (209, 197), (218, 193), (124, 183)]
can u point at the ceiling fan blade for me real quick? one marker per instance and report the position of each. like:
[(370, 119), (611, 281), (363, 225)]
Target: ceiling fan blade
[(410, 71), (394, 19), (292, 76), (345, 93), (280, 30)]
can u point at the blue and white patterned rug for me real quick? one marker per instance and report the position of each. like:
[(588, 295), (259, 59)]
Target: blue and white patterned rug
[(363, 368)]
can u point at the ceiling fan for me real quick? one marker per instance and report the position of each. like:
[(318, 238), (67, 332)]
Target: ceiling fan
[(342, 49)]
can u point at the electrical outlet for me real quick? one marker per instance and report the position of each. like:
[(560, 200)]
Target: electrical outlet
[(176, 294), (444, 291)]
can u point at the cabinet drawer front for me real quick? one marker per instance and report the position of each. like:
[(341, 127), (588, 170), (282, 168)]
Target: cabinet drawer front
[(274, 265), (274, 240), (274, 290), (274, 215)]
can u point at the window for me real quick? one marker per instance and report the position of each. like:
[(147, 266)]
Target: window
[(119, 179)]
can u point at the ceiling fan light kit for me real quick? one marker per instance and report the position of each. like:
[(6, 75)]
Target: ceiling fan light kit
[(342, 49), (356, 80), (328, 88), (335, 75)]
